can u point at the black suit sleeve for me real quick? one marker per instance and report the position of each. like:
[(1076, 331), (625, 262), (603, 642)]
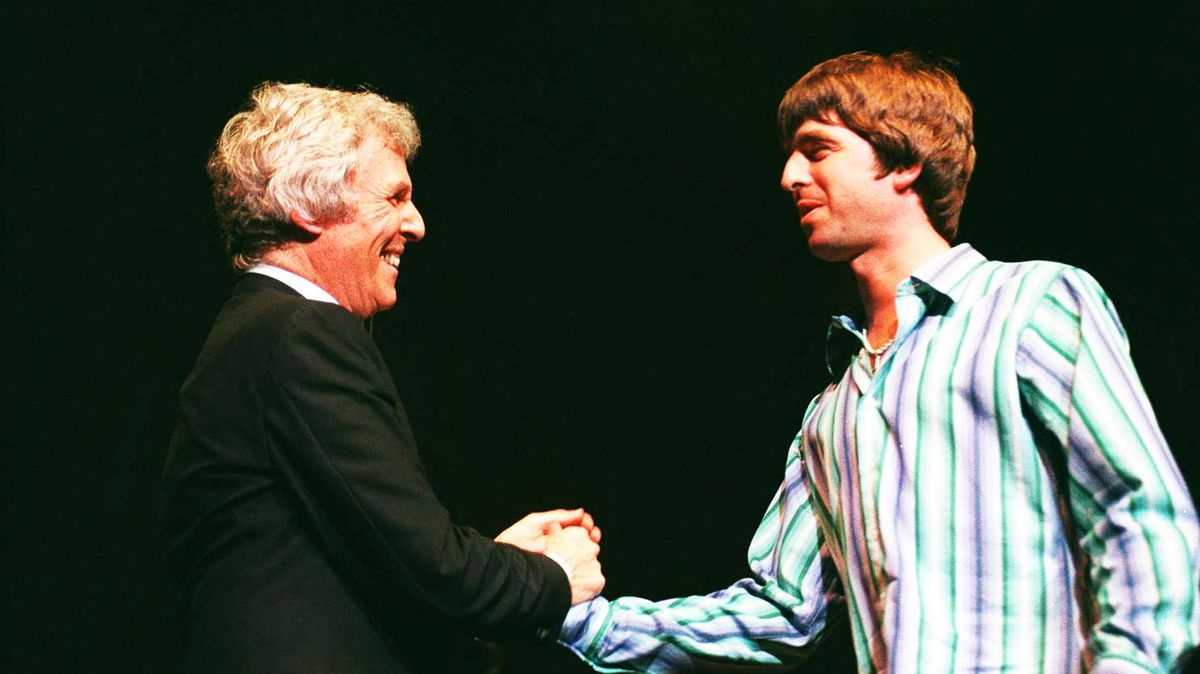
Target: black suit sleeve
[(338, 436)]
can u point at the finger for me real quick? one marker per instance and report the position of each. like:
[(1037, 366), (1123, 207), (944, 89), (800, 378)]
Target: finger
[(561, 516), (593, 550), (595, 533), (569, 535), (585, 536), (553, 528)]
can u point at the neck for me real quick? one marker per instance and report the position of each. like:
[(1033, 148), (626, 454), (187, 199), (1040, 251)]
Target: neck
[(879, 270), (293, 259)]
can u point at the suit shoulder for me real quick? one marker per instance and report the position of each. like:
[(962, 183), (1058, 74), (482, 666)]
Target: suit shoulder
[(252, 325)]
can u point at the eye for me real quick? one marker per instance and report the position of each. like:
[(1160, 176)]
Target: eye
[(813, 148), (816, 152)]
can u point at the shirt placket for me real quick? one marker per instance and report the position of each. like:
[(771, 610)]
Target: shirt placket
[(870, 429), (875, 439)]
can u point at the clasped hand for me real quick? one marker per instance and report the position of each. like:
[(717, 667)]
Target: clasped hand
[(571, 538)]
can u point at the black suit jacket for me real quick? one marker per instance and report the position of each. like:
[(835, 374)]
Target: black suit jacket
[(302, 533)]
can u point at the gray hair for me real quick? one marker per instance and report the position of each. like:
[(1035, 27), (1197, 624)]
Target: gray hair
[(294, 151)]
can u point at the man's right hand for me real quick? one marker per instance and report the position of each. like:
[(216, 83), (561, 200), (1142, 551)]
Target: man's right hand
[(574, 547)]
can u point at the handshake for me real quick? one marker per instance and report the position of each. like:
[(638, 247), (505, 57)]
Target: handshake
[(569, 537)]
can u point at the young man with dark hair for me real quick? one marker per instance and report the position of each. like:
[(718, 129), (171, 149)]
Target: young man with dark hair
[(983, 483)]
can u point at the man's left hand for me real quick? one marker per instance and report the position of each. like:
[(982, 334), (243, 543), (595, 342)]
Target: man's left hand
[(530, 532)]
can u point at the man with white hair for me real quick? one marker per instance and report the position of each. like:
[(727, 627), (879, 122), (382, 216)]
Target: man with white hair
[(302, 533)]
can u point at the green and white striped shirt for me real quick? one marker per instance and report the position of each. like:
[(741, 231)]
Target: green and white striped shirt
[(997, 497)]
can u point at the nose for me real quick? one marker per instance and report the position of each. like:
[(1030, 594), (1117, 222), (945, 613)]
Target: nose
[(795, 172), (413, 226)]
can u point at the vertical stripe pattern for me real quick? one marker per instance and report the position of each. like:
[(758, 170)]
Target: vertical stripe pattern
[(997, 497)]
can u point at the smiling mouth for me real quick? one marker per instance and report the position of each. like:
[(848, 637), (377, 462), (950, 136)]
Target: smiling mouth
[(392, 259)]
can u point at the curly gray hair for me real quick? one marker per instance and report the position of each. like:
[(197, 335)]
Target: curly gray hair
[(294, 151)]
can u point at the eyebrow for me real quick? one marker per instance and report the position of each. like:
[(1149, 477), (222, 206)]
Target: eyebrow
[(810, 137)]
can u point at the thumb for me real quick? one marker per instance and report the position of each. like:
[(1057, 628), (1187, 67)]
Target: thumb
[(561, 516)]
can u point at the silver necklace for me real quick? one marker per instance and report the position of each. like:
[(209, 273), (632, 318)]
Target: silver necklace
[(877, 354)]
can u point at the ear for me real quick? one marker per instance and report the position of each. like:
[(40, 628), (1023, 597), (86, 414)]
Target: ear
[(903, 178), (313, 228)]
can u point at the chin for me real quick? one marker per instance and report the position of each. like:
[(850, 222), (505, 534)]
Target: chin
[(819, 249), (828, 253), (385, 303)]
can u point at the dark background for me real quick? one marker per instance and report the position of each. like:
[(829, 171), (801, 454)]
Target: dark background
[(613, 307)]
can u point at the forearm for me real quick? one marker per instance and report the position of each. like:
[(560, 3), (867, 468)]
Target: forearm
[(1143, 574), (747, 625), (338, 439)]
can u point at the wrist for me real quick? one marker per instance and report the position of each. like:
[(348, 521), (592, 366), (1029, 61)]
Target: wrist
[(561, 562)]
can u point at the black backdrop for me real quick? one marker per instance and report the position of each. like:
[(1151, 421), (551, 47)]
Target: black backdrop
[(613, 306)]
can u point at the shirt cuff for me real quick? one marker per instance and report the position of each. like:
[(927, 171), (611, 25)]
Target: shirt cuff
[(561, 562), (578, 629)]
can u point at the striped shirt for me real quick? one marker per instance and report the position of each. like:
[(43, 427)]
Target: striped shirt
[(996, 497)]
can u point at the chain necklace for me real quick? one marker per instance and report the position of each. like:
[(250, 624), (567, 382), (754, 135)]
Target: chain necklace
[(877, 354)]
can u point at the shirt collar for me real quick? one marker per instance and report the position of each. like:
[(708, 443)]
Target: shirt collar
[(306, 288), (938, 282), (946, 272)]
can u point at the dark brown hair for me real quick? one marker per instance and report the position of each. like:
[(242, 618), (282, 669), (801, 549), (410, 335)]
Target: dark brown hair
[(909, 108)]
